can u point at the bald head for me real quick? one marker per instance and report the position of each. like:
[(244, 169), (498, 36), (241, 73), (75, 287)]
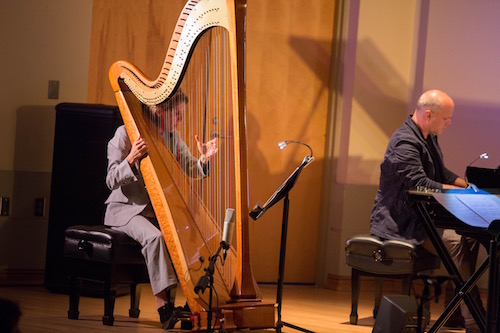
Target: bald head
[(434, 100), (433, 112)]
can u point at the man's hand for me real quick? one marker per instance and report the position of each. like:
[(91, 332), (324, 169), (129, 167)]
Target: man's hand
[(207, 150), (138, 151)]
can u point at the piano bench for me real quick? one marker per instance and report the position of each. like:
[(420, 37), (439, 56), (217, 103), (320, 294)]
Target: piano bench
[(110, 257), (371, 256)]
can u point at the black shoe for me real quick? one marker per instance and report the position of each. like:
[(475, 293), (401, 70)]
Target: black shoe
[(168, 316)]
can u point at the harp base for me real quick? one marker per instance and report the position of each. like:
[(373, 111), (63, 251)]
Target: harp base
[(234, 316)]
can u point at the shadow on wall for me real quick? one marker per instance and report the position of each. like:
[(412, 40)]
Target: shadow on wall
[(302, 119), (381, 94), (316, 55), (379, 89), (265, 233)]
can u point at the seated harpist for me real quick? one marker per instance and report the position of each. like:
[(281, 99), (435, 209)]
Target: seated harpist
[(129, 207)]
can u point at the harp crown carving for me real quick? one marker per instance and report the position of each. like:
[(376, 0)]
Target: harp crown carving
[(197, 17)]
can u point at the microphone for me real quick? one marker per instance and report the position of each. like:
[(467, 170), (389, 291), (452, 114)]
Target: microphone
[(227, 233), (202, 284)]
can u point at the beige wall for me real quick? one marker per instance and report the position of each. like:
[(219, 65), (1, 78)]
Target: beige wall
[(375, 89), (41, 41), (381, 85), (462, 58)]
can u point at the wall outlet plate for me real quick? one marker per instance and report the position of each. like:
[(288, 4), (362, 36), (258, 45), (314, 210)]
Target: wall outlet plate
[(40, 207), (53, 92), (4, 206)]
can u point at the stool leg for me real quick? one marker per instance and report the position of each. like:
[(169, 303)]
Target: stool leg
[(135, 297), (109, 302), (378, 296), (109, 305), (355, 276), (74, 296)]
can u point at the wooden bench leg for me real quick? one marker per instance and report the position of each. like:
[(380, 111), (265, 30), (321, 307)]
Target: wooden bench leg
[(109, 303), (135, 297), (355, 276), (74, 296)]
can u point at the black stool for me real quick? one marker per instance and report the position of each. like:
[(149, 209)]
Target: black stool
[(369, 255), (99, 253)]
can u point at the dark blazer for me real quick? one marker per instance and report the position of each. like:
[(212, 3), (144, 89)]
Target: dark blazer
[(409, 161)]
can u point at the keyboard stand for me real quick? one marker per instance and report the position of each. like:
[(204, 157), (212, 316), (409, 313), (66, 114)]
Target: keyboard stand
[(486, 324)]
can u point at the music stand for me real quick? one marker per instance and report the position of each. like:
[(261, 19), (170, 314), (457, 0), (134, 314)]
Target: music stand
[(258, 211)]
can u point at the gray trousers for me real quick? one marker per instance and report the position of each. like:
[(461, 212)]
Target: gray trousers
[(146, 232)]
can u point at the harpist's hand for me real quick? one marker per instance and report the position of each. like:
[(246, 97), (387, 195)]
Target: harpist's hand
[(138, 151), (206, 150)]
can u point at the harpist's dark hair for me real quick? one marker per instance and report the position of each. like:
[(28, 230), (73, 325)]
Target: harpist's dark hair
[(178, 96)]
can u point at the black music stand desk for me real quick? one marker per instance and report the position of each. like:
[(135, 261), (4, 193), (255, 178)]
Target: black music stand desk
[(257, 211), (476, 212)]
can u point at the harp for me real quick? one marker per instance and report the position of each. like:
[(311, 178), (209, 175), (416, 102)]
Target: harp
[(200, 91)]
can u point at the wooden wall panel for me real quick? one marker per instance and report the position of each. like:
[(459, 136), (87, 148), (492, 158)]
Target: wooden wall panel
[(138, 31), (288, 69), (289, 52)]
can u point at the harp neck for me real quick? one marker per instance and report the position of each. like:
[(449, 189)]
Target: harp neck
[(197, 17)]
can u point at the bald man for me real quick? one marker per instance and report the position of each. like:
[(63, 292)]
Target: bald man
[(413, 158)]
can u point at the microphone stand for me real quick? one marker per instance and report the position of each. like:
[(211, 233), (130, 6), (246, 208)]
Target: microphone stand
[(257, 211), (208, 280)]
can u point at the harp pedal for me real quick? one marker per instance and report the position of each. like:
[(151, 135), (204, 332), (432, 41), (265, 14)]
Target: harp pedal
[(185, 316)]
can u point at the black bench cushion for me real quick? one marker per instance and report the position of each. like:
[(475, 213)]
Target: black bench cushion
[(371, 254), (100, 243)]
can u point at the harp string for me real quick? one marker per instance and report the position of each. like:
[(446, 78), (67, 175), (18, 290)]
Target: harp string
[(207, 113)]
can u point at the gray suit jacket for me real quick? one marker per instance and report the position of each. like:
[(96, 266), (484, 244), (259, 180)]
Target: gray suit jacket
[(129, 196)]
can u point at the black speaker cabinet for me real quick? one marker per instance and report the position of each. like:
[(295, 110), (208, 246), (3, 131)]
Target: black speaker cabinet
[(399, 314), (78, 186)]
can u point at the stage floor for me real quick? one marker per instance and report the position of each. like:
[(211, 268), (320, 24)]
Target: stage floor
[(316, 309)]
